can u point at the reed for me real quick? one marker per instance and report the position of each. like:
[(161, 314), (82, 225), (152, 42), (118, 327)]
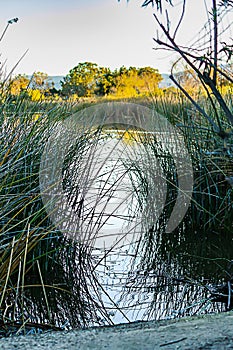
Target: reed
[(45, 278), (49, 279), (197, 255)]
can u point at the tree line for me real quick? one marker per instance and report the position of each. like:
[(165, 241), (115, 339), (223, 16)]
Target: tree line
[(87, 79)]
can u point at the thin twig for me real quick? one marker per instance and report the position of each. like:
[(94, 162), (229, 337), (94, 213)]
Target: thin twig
[(173, 342), (181, 19)]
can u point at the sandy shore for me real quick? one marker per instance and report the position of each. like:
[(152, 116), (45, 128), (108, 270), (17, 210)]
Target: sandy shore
[(205, 332)]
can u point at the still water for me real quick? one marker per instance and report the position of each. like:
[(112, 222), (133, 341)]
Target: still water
[(144, 272)]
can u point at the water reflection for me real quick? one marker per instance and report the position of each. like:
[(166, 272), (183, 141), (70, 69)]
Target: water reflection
[(143, 272)]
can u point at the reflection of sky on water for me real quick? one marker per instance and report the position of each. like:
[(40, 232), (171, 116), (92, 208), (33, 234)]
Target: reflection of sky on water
[(111, 193), (116, 240), (110, 190), (113, 274), (117, 221)]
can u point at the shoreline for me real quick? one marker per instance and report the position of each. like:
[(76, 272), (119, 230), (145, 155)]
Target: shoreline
[(210, 331)]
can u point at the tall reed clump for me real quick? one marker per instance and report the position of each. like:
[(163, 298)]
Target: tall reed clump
[(45, 278), (184, 268)]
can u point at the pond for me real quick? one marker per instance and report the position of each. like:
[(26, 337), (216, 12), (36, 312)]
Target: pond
[(120, 187)]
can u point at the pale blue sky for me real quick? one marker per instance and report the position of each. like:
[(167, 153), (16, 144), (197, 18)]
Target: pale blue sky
[(61, 33)]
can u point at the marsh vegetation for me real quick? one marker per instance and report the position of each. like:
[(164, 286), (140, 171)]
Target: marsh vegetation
[(120, 263)]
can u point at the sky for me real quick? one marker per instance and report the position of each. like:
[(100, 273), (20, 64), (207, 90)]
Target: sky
[(59, 34)]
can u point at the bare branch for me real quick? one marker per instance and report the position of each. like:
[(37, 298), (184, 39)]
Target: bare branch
[(204, 74), (180, 20), (219, 98)]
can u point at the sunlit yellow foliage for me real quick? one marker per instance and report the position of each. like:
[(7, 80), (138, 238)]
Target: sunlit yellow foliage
[(18, 84), (35, 95), (135, 82), (226, 89), (89, 80), (36, 116)]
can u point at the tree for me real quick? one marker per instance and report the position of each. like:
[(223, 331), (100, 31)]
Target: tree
[(81, 80), (105, 81), (40, 81), (188, 79), (18, 84), (133, 82), (151, 79), (127, 82), (87, 79)]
